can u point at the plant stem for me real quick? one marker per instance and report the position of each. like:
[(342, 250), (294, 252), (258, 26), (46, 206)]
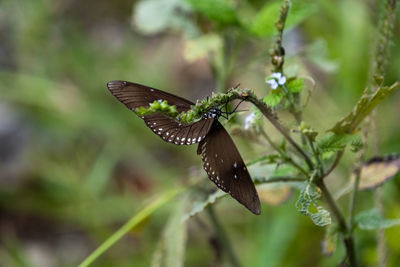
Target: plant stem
[(283, 154), (266, 111), (223, 237), (343, 227), (339, 156), (353, 198), (278, 179)]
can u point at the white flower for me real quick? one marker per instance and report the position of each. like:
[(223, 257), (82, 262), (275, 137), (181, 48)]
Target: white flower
[(250, 119), (276, 79), (273, 84)]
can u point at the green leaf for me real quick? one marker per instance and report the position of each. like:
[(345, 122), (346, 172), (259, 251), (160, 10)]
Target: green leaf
[(155, 16), (296, 86), (263, 24), (332, 143), (171, 248), (221, 11), (307, 204), (273, 98), (372, 220), (201, 205), (131, 223), (308, 131), (365, 106)]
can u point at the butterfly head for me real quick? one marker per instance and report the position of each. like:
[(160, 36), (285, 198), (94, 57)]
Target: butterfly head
[(213, 113)]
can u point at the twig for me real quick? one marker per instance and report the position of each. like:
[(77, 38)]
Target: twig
[(279, 179), (266, 111), (283, 154), (222, 236), (339, 156)]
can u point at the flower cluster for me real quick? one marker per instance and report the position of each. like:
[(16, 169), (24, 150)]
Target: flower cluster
[(276, 80)]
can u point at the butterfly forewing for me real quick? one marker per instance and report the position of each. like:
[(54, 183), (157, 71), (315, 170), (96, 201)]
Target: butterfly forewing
[(225, 167), (135, 95)]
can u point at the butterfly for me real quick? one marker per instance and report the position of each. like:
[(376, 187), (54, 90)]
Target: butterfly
[(221, 159)]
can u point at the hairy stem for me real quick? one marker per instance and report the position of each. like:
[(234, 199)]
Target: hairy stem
[(223, 237)]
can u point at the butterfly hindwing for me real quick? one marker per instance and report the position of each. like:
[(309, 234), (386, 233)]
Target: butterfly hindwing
[(225, 167)]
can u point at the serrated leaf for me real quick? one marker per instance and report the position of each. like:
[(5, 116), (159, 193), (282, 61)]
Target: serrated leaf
[(336, 142), (201, 205), (171, 248), (296, 85), (202, 47), (363, 108), (273, 98), (263, 23), (221, 11), (321, 217), (307, 204), (155, 16), (372, 220)]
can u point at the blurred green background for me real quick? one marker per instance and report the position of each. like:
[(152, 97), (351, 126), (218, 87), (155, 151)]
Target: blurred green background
[(75, 164)]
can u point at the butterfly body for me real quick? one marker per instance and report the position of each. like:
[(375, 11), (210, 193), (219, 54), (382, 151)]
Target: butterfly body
[(221, 159)]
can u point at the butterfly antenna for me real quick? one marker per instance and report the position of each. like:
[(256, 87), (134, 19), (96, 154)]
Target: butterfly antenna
[(234, 110), (235, 87)]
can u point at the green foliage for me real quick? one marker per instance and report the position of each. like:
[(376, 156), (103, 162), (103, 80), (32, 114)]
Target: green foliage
[(308, 131), (220, 11), (156, 16), (332, 143), (307, 204), (78, 139), (171, 248), (158, 107), (373, 220), (201, 205), (263, 23), (296, 85), (130, 224), (363, 108), (273, 98)]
